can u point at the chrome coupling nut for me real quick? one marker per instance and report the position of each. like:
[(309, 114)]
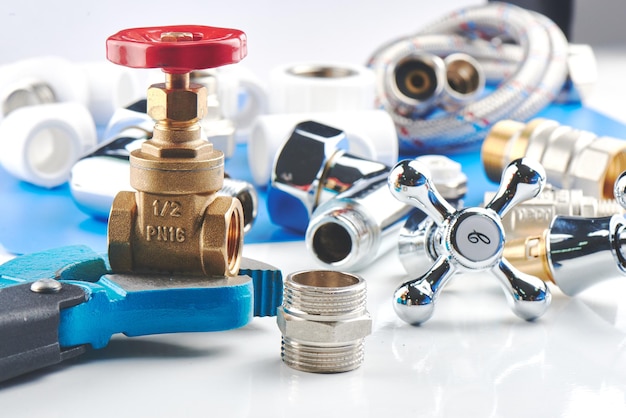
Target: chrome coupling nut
[(573, 159), (311, 168), (323, 321)]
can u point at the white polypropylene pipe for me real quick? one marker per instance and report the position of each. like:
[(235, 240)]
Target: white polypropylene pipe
[(39, 144)]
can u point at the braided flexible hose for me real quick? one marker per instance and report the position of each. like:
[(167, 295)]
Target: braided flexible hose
[(538, 47)]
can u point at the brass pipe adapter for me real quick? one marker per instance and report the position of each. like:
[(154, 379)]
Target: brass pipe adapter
[(573, 159), (175, 222)]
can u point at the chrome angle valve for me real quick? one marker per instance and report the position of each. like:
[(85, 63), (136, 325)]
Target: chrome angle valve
[(468, 240)]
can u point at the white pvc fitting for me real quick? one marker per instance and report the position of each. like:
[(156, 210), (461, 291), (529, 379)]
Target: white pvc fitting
[(110, 87), (65, 80), (321, 87), (242, 97), (371, 135), (39, 144)]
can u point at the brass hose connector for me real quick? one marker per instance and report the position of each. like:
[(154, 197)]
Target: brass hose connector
[(573, 159), (176, 222)]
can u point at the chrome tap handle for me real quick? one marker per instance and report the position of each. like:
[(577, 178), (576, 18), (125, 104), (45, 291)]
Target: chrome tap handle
[(467, 240), (523, 179), (409, 182), (528, 296), (415, 299)]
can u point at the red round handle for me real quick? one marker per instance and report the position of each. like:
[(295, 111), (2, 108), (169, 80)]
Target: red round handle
[(177, 49)]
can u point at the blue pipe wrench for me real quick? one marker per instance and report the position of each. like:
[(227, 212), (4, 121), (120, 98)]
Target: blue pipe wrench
[(55, 304)]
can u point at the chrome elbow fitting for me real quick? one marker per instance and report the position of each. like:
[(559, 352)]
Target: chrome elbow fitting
[(573, 159), (353, 229), (312, 168), (323, 321)]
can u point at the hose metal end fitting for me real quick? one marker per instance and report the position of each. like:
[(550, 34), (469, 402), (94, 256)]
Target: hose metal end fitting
[(465, 81), (417, 82), (573, 159), (323, 321)]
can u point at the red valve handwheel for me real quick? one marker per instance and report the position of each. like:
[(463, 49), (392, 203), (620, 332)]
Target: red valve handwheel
[(143, 48)]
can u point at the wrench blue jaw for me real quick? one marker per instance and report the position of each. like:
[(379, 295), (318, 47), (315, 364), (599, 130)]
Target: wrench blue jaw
[(92, 304)]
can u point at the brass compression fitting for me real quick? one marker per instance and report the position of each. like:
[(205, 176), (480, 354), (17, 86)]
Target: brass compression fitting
[(175, 222), (573, 159)]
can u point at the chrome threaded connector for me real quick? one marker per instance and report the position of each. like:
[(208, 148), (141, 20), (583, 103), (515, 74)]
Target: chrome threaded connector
[(324, 321)]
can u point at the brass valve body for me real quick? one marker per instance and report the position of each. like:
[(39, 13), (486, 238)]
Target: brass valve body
[(175, 222)]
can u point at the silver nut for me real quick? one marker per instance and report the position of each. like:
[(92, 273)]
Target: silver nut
[(333, 332), (323, 321)]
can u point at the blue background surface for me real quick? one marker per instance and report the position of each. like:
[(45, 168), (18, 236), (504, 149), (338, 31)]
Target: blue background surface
[(35, 219)]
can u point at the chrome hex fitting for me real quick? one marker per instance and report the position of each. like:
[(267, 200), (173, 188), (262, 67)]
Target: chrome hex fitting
[(312, 168), (573, 159), (323, 321)]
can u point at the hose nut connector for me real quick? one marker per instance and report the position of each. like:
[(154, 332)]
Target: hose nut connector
[(323, 321)]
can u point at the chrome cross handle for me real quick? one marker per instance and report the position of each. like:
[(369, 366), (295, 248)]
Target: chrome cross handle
[(468, 240)]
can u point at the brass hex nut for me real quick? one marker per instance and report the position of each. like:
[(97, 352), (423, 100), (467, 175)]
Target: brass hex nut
[(222, 237), (177, 105), (327, 332), (121, 225)]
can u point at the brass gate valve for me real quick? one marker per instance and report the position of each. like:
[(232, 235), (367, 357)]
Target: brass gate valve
[(175, 222)]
